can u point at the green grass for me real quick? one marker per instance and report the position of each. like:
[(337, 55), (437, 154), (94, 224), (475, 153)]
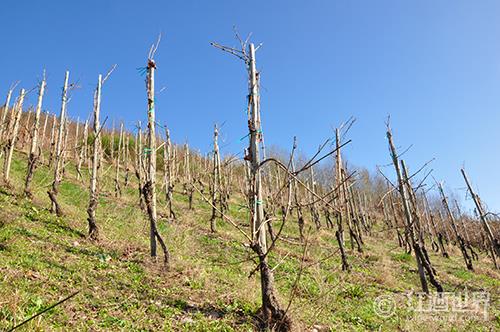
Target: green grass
[(210, 286)]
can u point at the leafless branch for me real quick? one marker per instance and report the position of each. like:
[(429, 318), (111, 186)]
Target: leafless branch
[(109, 73)]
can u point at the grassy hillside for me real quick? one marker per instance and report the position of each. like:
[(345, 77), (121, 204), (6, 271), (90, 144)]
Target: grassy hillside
[(209, 286)]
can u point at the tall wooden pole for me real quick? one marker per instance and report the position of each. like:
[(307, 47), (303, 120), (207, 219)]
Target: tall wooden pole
[(140, 163), (126, 156), (82, 156), (77, 132), (34, 154), (437, 232), (59, 153), (494, 244), (42, 138), (151, 155), (313, 208), (339, 233), (12, 135), (112, 144), (94, 196), (3, 125), (167, 169), (216, 181), (465, 254), (258, 226), (188, 184), (402, 187), (52, 146), (149, 189), (118, 190)]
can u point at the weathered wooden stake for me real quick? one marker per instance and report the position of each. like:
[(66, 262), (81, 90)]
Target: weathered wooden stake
[(42, 138), (149, 189), (83, 149), (96, 161), (140, 163), (118, 191), (167, 173), (53, 139), (34, 153), (403, 186), (59, 152), (340, 215), (12, 135), (465, 254), (493, 242), (3, 125)]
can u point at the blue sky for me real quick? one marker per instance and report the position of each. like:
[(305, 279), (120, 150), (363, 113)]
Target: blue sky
[(434, 66)]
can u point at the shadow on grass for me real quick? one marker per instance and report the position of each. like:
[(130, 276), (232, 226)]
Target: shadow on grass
[(60, 227), (212, 312)]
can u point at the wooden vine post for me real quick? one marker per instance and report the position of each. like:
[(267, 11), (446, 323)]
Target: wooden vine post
[(339, 233), (313, 209), (437, 232), (149, 188), (296, 197), (118, 191), (273, 314), (274, 317), (42, 138), (257, 222), (12, 135), (96, 161), (423, 264), (82, 155), (460, 240), (126, 157), (188, 178), (216, 187), (52, 141), (25, 129), (493, 242), (59, 151), (466, 232), (34, 154), (139, 163), (168, 175), (3, 125), (77, 132), (65, 149)]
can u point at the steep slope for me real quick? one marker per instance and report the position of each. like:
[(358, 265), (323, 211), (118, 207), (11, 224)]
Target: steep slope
[(211, 285)]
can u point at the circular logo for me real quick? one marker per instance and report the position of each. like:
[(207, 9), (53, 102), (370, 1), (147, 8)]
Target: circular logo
[(384, 306)]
